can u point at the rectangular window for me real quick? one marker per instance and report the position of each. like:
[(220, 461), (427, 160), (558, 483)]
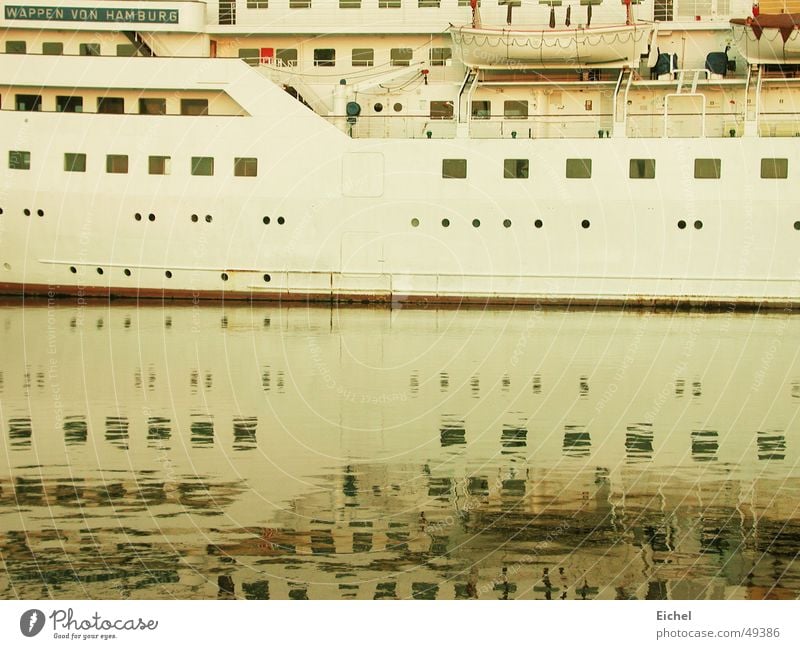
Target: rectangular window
[(74, 162), (400, 56), (152, 106), (258, 4), (19, 159), (111, 105), (440, 55), (325, 57), (454, 168), (53, 49), (158, 165), (693, 8), (515, 108), (116, 164), (579, 168), (349, 4), (642, 168), (202, 166), (16, 47), (245, 167), (428, 3), (29, 102), (286, 56), (774, 168), (514, 3), (388, 4), (299, 4), (89, 49), (515, 168), (441, 110), (662, 10), (194, 106), (250, 55), (481, 109), (363, 57), (69, 104), (126, 49), (707, 168), (227, 12)]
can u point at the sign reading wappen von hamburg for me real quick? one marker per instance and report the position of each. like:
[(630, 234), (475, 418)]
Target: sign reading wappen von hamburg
[(92, 14)]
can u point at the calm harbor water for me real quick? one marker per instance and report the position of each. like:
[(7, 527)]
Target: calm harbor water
[(250, 451)]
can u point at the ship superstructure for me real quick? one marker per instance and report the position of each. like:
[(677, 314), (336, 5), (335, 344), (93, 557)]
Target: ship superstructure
[(401, 150)]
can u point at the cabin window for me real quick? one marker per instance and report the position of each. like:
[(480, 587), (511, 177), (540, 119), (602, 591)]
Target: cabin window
[(16, 47), (286, 56), (75, 162), (202, 166), (53, 49), (158, 165), (707, 168), (250, 55), (454, 168), (299, 4), (513, 3), (515, 168), (116, 164), (126, 49), (774, 168), (441, 110), (245, 167), (440, 55), (325, 57), (349, 4), (579, 168), (642, 168), (69, 104), (227, 12), (428, 3), (152, 106), (693, 8), (515, 108), (19, 160), (400, 56), (194, 106), (363, 57), (388, 4), (258, 4), (481, 109), (662, 10), (89, 49), (111, 105), (29, 102)]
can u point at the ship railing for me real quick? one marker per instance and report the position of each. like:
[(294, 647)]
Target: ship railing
[(779, 125), (684, 124)]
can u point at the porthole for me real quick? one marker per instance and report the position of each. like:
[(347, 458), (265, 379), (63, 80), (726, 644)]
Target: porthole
[(445, 223), (127, 272), (26, 212), (168, 322), (209, 218), (40, 212), (6, 266), (698, 225), (168, 274), (281, 220), (151, 217), (378, 107), (585, 224), (224, 277), (267, 277), (99, 271), (476, 223), (195, 218), (1, 210), (797, 225), (398, 107), (73, 270), (681, 224), (266, 220), (414, 223), (538, 223), (137, 216), (507, 223)]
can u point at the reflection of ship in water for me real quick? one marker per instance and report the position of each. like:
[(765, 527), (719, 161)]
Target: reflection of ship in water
[(293, 453)]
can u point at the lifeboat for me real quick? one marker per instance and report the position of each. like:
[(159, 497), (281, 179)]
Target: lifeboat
[(601, 46), (768, 38)]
